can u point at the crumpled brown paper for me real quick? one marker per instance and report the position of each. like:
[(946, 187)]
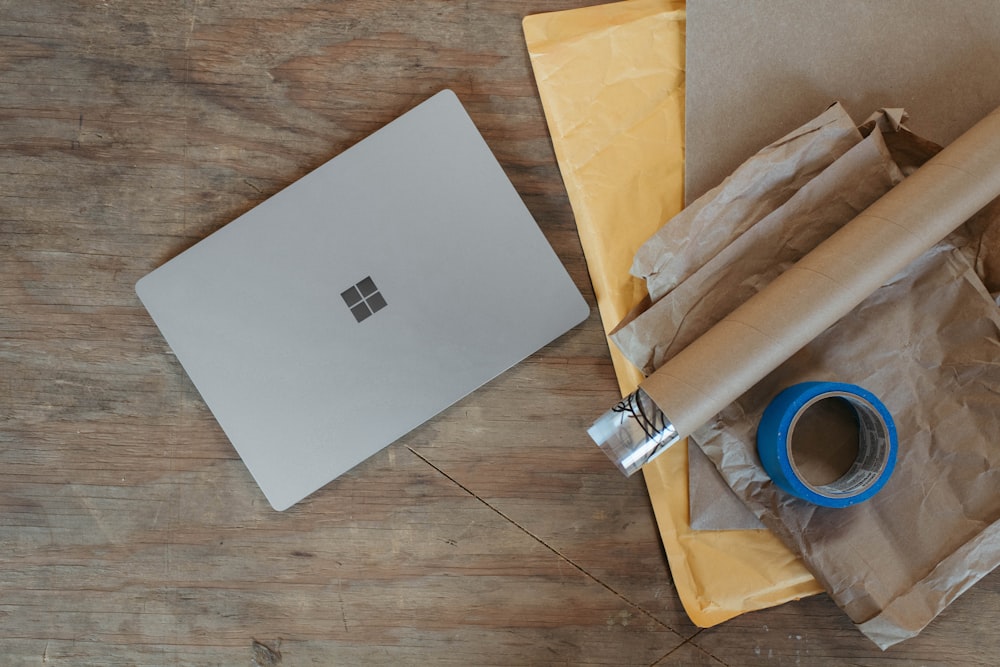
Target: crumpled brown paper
[(929, 346), (787, 198), (790, 216), (611, 80), (709, 225), (927, 343)]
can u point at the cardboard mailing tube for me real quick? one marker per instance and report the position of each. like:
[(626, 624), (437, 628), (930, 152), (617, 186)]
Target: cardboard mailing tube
[(826, 284)]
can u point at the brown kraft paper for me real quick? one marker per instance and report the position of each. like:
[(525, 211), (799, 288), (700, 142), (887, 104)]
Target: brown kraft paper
[(832, 198), (896, 561), (826, 284), (824, 204), (890, 579)]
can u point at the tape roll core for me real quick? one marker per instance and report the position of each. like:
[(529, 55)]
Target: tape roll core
[(877, 444)]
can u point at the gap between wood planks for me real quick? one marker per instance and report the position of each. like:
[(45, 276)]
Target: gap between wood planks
[(564, 558)]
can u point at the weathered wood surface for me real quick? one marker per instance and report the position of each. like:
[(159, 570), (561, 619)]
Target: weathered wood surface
[(130, 533)]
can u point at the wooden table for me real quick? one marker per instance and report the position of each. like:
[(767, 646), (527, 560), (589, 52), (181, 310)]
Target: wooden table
[(130, 532)]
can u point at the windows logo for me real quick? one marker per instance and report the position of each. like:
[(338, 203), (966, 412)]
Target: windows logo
[(363, 299)]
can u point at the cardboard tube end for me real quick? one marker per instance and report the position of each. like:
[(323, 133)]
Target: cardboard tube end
[(633, 432)]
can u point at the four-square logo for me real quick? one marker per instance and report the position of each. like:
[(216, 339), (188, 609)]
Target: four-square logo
[(363, 299)]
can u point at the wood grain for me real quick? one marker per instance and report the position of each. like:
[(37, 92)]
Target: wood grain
[(131, 532)]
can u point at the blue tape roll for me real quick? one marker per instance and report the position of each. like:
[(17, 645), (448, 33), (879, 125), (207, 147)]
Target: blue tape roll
[(877, 444)]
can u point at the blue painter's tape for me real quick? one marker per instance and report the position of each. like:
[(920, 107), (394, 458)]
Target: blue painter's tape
[(877, 444)]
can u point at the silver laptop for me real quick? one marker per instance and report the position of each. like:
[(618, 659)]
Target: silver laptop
[(362, 300)]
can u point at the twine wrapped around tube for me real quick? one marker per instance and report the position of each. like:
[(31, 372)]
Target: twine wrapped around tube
[(822, 287)]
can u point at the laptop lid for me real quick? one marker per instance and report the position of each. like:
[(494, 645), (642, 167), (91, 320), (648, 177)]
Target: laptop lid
[(362, 300)]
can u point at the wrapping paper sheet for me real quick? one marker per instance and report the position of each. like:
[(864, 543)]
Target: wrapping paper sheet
[(710, 224), (737, 352), (718, 367), (713, 504), (941, 386), (938, 60), (926, 343), (737, 254), (791, 221), (611, 80), (888, 577)]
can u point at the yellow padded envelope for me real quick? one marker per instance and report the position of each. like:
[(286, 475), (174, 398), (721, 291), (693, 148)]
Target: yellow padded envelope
[(611, 80)]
